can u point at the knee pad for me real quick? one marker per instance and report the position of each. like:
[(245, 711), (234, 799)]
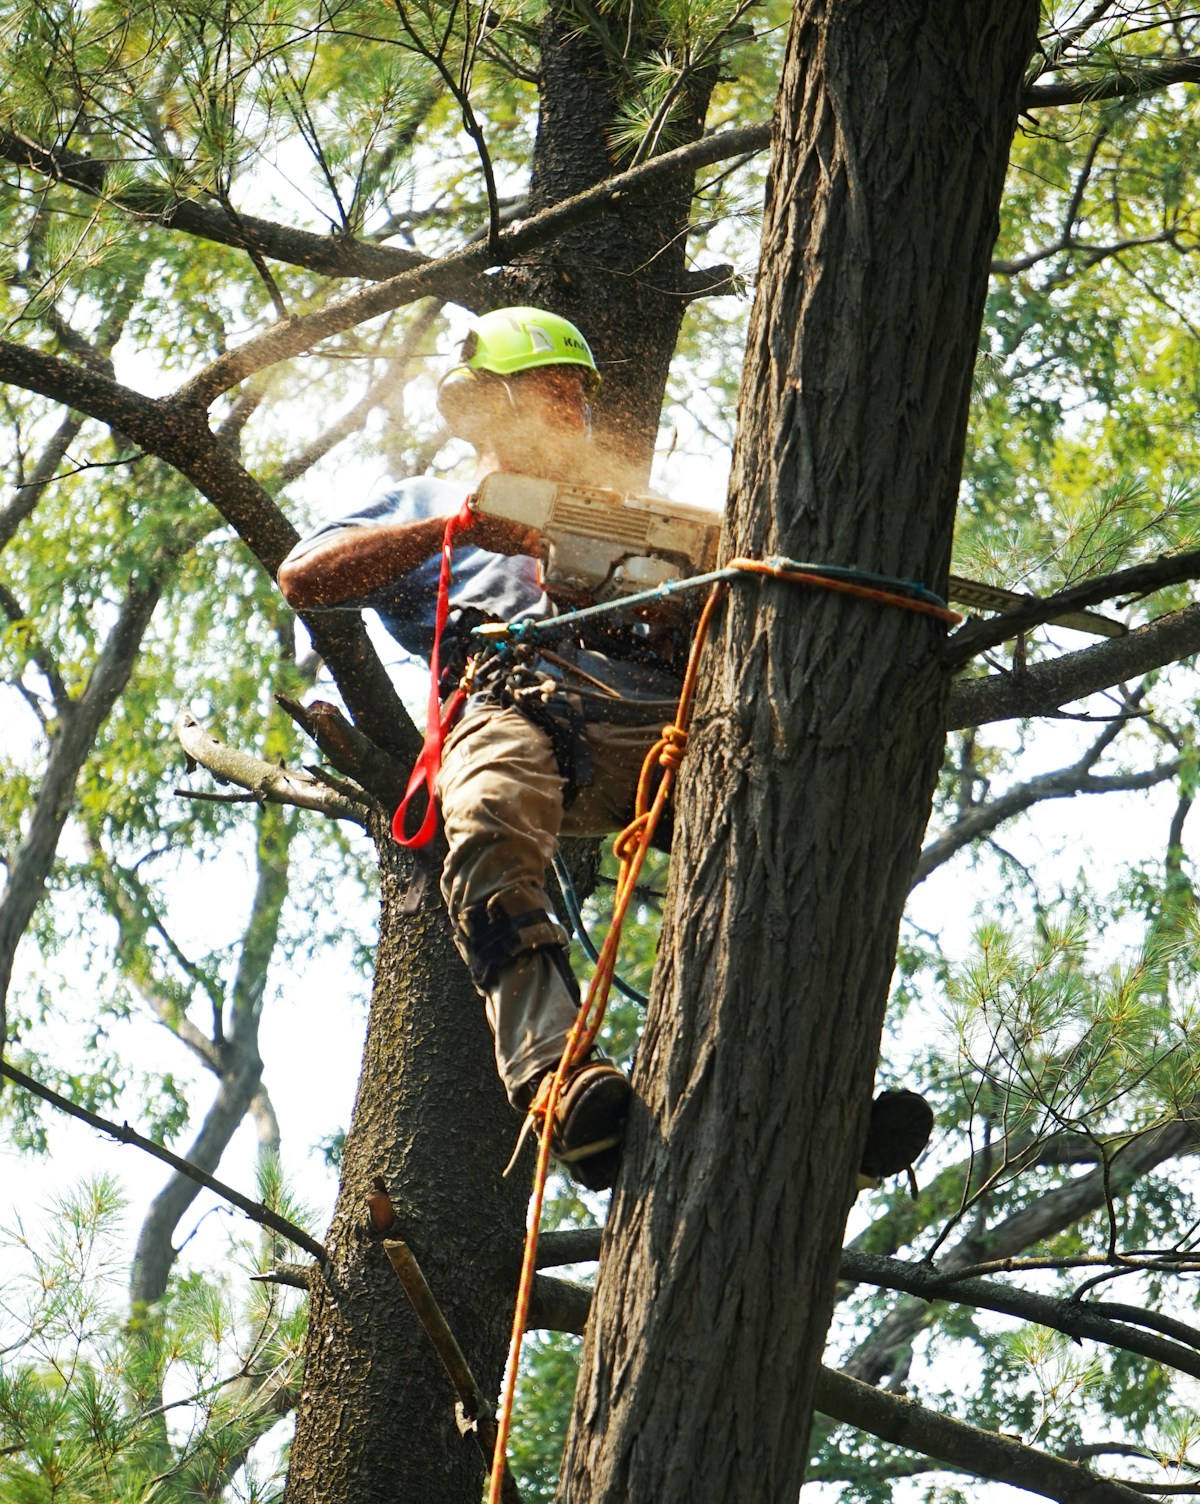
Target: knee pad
[(490, 935)]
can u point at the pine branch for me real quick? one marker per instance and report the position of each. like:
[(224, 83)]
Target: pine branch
[(981, 1453), (991, 1249), (331, 255), (1139, 579), (453, 275), (1134, 83), (1077, 1319)]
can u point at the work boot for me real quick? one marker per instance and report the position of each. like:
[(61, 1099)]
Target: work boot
[(901, 1123), (589, 1121)]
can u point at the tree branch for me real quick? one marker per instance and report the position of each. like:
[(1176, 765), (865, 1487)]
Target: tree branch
[(559, 1305), (376, 394), (905, 1423), (1077, 1319), (472, 1401), (296, 1276), (179, 434), (1063, 783), (37, 652), (569, 1245), (68, 752), (1139, 579), (451, 275), (333, 255), (255, 1210), (1042, 688), (376, 771), (267, 781), (29, 493), (1043, 1218), (1135, 84)]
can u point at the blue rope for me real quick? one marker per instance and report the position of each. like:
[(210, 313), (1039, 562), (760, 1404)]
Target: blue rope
[(575, 914), (535, 626)]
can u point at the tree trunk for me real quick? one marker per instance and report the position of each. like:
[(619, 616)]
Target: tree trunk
[(625, 284), (376, 1417), (375, 1420), (815, 749)]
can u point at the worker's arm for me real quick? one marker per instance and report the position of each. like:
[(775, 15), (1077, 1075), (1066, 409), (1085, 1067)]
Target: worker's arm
[(353, 562)]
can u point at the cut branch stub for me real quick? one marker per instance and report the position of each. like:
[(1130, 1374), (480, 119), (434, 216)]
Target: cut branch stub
[(348, 749)]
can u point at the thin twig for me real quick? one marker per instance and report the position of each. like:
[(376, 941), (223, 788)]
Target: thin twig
[(298, 1276), (255, 1210)]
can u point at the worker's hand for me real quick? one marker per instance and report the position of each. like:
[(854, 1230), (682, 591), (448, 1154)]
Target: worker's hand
[(500, 535)]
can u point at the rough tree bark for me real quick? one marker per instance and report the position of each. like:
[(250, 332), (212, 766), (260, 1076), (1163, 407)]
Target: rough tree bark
[(376, 1415), (813, 760)]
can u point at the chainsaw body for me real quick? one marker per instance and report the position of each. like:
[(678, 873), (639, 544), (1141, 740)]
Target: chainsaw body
[(600, 543)]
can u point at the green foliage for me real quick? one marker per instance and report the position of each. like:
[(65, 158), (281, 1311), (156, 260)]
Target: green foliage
[(545, 1395), (95, 1408)]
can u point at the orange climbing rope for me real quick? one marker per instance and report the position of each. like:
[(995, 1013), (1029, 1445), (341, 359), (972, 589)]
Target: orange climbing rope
[(630, 848)]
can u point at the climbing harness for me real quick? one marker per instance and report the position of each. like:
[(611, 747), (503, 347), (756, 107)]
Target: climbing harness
[(886, 590)]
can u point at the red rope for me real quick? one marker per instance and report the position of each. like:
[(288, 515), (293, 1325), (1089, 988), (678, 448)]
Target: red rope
[(425, 770)]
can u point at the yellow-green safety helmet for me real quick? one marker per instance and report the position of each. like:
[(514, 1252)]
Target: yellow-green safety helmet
[(509, 340)]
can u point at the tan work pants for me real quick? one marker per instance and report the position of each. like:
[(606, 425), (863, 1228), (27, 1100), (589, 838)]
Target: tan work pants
[(502, 804)]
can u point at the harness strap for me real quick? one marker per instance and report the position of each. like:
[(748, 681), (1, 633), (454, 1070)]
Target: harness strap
[(437, 720)]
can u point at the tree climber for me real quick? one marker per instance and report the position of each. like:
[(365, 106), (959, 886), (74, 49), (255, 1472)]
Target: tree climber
[(546, 748)]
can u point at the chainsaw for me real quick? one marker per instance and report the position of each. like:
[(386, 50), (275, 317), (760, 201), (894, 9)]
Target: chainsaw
[(602, 544)]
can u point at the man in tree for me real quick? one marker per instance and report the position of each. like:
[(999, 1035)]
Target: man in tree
[(550, 743), (546, 746)]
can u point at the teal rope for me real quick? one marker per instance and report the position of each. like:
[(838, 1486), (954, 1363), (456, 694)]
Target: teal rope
[(534, 627), (575, 914)]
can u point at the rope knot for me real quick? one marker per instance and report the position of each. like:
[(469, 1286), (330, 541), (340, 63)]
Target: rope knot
[(627, 844), (674, 745)]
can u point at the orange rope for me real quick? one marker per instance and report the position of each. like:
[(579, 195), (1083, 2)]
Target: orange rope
[(845, 587), (630, 848)]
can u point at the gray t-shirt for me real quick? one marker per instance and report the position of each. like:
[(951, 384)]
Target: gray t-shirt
[(483, 585)]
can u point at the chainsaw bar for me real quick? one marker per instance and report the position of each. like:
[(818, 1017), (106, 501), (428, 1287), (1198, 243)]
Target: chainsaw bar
[(982, 597)]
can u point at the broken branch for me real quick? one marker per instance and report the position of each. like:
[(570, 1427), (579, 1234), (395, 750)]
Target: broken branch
[(265, 781)]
